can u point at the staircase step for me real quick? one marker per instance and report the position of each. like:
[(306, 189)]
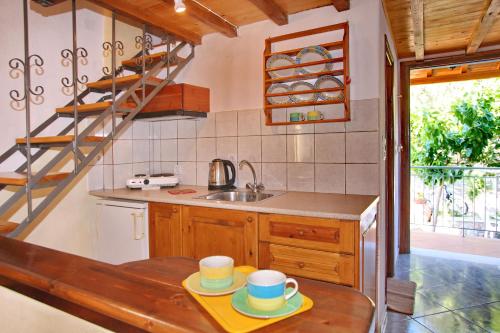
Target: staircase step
[(151, 60), (56, 139), (91, 108), (6, 227), (121, 82), (20, 178)]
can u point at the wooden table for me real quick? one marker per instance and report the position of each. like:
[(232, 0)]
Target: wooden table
[(147, 295)]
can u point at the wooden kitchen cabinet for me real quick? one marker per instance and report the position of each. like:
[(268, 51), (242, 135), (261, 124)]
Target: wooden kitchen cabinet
[(213, 231), (165, 230)]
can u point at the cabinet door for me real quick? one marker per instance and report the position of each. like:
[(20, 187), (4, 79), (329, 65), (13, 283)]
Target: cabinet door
[(368, 261), (211, 231), (165, 230)]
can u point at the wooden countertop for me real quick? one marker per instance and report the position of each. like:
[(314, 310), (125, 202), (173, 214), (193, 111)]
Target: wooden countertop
[(311, 204), (147, 295)]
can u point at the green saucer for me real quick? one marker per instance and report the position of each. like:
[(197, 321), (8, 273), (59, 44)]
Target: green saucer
[(240, 304), (193, 284)]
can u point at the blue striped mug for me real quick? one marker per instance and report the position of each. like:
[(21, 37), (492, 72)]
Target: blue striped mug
[(266, 290)]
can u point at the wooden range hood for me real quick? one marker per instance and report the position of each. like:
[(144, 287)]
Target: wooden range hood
[(178, 101)]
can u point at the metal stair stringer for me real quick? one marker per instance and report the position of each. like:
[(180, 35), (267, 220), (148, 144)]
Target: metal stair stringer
[(85, 160)]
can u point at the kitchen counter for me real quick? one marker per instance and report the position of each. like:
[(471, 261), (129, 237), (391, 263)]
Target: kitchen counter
[(310, 204)]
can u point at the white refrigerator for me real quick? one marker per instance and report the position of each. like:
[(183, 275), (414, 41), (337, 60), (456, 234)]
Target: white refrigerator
[(121, 231)]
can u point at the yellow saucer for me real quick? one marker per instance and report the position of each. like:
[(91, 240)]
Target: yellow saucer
[(193, 285)]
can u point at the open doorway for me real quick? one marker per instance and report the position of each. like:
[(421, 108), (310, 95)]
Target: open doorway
[(451, 175)]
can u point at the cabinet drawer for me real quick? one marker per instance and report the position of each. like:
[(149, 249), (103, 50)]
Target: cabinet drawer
[(313, 233), (325, 266)]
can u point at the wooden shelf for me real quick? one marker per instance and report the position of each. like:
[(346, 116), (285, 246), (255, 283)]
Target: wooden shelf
[(300, 77), (301, 92), (297, 105), (342, 44)]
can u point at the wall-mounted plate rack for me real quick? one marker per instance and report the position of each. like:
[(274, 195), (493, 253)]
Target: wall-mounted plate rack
[(332, 60)]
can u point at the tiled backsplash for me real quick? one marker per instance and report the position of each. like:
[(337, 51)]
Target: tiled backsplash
[(333, 157)]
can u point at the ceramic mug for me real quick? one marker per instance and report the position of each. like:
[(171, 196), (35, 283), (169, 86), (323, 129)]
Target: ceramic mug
[(315, 115), (266, 290), (297, 116), (216, 272)]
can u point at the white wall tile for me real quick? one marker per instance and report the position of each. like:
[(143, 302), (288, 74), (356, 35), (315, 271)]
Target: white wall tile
[(274, 148), (226, 123), (126, 133), (121, 173), (141, 130), (202, 173), (108, 176), (186, 150), (330, 148), (227, 148), (274, 176), (362, 179), (249, 122), (141, 168), (205, 127), (245, 174), (169, 150), (168, 167), (249, 148), (330, 178), (187, 173), (186, 129), (122, 151), (362, 147), (156, 130), (364, 115), (278, 116), (330, 111), (205, 149), (300, 148), (169, 129), (155, 154), (95, 179), (155, 167), (300, 177), (141, 150)]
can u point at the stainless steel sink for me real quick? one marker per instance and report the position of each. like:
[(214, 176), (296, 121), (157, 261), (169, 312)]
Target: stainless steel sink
[(242, 196)]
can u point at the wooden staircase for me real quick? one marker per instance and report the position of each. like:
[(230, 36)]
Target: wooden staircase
[(127, 104)]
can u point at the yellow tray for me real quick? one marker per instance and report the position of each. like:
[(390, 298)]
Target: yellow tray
[(221, 310)]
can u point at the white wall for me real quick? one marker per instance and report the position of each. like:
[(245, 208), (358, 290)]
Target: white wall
[(66, 226)]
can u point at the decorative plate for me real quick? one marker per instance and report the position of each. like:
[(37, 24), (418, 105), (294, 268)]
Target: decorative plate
[(303, 86), (193, 285), (329, 81), (310, 54), (240, 303), (280, 60), (276, 89)]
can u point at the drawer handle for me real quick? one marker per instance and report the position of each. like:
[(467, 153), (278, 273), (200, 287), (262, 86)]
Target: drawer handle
[(301, 232), (174, 210), (250, 219), (301, 265)]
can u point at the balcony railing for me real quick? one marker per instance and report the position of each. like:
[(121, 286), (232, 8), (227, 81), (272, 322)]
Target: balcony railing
[(467, 203)]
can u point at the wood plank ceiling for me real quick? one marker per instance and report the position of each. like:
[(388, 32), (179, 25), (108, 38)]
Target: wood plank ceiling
[(203, 17), (422, 27)]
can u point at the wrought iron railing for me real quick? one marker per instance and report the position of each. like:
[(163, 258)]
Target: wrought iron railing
[(467, 202)]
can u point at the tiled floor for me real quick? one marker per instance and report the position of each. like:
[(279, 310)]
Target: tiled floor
[(453, 295)]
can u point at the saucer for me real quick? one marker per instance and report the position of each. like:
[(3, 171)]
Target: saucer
[(240, 304), (193, 285)]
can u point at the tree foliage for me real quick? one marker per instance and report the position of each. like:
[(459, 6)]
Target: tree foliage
[(456, 129)]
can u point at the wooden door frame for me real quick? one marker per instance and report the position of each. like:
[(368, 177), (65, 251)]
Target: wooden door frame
[(404, 139), (389, 157)]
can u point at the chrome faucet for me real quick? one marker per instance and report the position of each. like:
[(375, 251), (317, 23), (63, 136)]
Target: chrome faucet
[(254, 187)]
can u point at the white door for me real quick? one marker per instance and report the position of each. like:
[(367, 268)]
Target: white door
[(122, 234)]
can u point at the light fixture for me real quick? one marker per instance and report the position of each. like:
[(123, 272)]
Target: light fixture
[(180, 7)]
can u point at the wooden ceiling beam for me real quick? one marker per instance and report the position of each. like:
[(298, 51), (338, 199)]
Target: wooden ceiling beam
[(341, 5), (272, 10), (417, 14), (125, 9), (206, 16), (483, 26)]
